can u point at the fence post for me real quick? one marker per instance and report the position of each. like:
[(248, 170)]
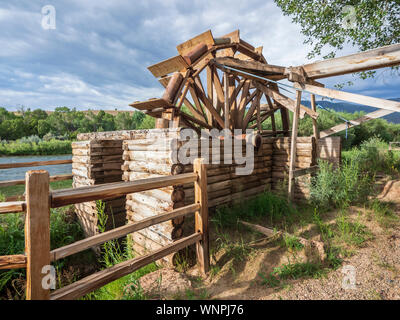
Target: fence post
[(37, 233), (201, 223)]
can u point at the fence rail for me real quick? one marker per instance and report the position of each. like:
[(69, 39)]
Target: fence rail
[(37, 206), (34, 164)]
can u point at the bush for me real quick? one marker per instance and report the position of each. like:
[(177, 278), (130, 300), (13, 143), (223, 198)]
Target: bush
[(373, 156), (63, 231), (28, 146), (339, 187)]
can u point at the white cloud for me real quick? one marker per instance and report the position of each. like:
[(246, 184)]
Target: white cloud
[(99, 53)]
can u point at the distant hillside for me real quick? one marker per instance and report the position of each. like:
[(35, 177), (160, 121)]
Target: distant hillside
[(112, 112), (351, 108)]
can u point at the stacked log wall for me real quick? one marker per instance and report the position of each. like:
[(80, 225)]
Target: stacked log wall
[(306, 156), (148, 154), (96, 162), (330, 149)]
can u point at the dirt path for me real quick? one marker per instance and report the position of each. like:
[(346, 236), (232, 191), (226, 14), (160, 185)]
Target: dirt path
[(376, 264)]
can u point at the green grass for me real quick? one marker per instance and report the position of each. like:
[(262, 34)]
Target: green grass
[(63, 231), (292, 242), (291, 271), (264, 206), (20, 189), (20, 147), (112, 253), (384, 213)]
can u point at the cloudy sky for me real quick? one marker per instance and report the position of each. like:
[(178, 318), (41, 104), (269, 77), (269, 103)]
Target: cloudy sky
[(97, 55)]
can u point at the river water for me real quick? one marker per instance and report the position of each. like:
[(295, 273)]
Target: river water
[(19, 173)]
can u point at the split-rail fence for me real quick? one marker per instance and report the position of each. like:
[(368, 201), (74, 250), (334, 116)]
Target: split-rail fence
[(38, 256)]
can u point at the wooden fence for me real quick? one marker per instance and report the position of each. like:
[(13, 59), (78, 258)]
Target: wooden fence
[(34, 164), (37, 206)]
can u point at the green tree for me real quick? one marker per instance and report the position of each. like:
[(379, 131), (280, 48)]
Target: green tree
[(376, 24)]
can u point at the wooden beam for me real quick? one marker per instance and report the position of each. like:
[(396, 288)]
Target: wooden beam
[(314, 121), (251, 110), (151, 104), (60, 198), (37, 233), (232, 101), (196, 121), (227, 103), (205, 37), (209, 106), (210, 92), (255, 66), (13, 261), (271, 107), (218, 90), (383, 57), (242, 104), (33, 164), (196, 101), (285, 101), (351, 97), (168, 66), (293, 143), (353, 123), (12, 206)]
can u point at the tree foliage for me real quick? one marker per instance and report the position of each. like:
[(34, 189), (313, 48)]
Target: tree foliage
[(67, 123), (324, 23)]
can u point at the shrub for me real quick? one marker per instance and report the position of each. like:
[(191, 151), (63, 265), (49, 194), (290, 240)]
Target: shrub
[(339, 187)]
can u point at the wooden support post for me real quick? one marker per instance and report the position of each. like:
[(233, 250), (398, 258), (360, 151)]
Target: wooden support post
[(295, 126), (37, 233), (227, 104), (259, 118), (210, 94), (314, 121), (201, 223)]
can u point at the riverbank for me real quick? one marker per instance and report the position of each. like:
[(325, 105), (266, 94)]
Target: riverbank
[(24, 147)]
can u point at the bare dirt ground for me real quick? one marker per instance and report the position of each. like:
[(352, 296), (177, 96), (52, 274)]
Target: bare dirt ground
[(238, 273)]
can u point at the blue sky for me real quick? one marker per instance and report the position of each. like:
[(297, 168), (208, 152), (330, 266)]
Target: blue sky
[(97, 57)]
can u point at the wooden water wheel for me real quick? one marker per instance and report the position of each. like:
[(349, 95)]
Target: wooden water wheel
[(220, 83)]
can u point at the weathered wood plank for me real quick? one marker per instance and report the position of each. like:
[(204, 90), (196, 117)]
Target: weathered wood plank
[(353, 123), (201, 217), (351, 97), (293, 148), (372, 59), (37, 233), (12, 206), (114, 190), (33, 164), (120, 232), (13, 261), (205, 37), (151, 104), (168, 66), (101, 278)]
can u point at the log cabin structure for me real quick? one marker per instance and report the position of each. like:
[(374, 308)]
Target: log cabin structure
[(222, 83)]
